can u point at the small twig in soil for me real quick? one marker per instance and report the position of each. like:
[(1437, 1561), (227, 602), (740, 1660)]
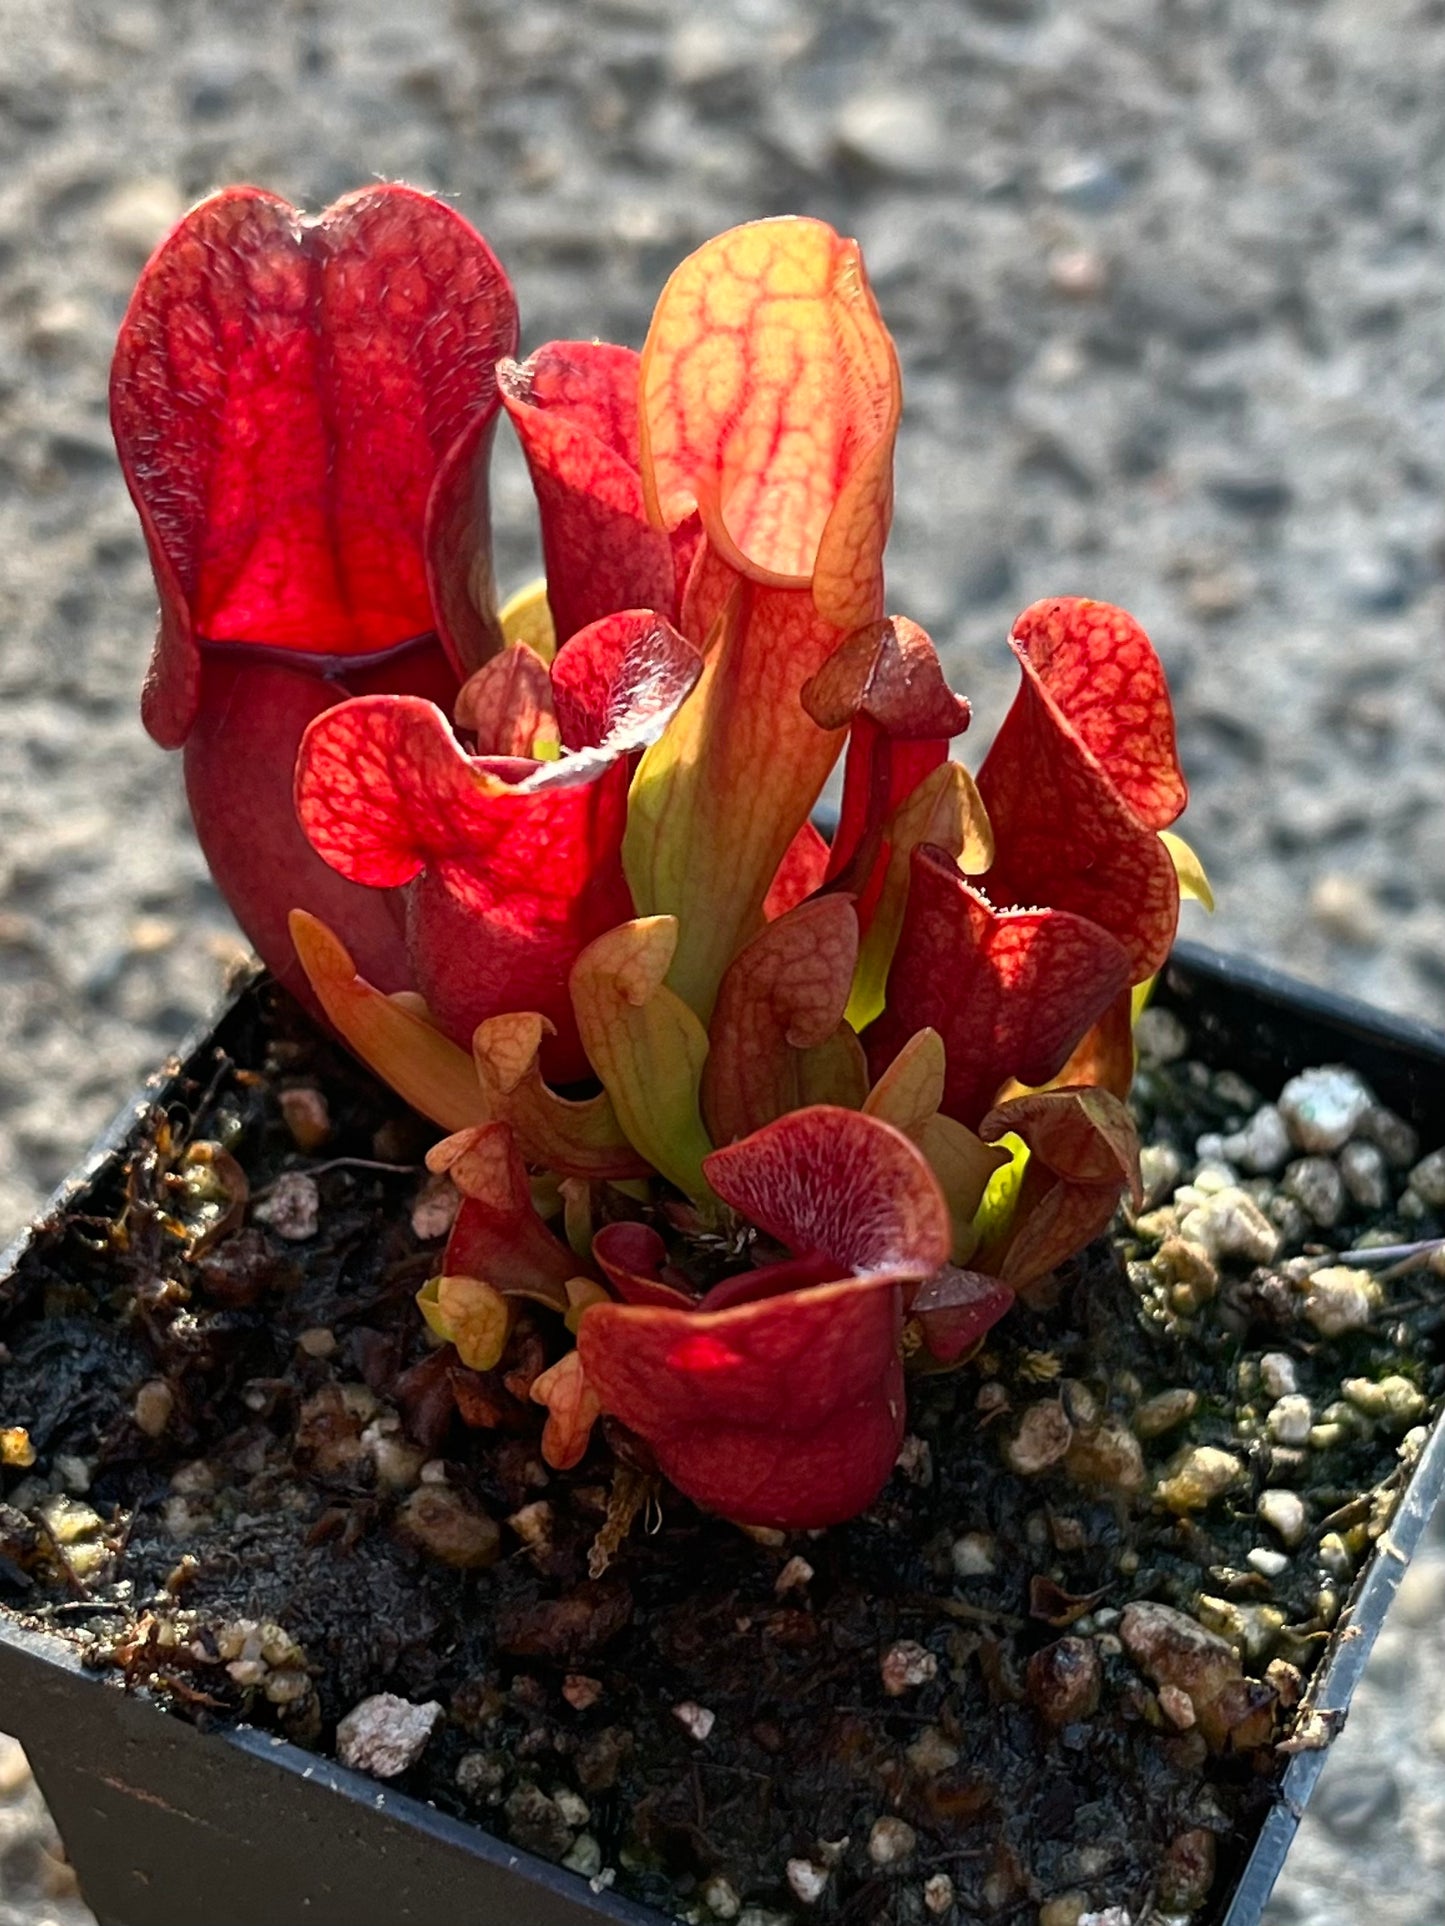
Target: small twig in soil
[(632, 1492), (364, 1163), (1405, 1254), (1351, 1514), (342, 1163), (192, 1694)]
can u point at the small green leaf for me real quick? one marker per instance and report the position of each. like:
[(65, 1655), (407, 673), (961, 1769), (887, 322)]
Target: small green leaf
[(1001, 1197), (647, 1046)]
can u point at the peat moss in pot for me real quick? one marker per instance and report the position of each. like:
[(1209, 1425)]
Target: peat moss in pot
[(1030, 1677), (724, 1447)]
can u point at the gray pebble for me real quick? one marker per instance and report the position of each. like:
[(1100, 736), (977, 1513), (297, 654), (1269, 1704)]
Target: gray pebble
[(1160, 1037), (975, 1554), (1427, 1180), (1230, 1224), (1289, 1217), (585, 1857), (1316, 1185), (1420, 1601), (1364, 1174), (1323, 1108), (386, 1735), (707, 52), (1230, 1088), (136, 216), (1251, 492), (1277, 1374), (895, 133), (1415, 1212), (1291, 1420), (536, 1823), (890, 1841), (1090, 184), (216, 76), (1381, 584), (1345, 907), (1263, 1146), (1284, 1512), (1397, 1139), (1394, 1658), (1356, 1804), (1213, 1174), (293, 1208), (1160, 1168), (480, 1777)]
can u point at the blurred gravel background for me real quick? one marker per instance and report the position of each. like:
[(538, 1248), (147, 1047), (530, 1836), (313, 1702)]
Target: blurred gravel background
[(1166, 278)]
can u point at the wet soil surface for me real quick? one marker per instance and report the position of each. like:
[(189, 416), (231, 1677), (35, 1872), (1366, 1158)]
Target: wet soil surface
[(1050, 1667)]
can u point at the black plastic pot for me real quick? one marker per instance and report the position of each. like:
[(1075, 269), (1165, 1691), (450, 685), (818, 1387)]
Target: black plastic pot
[(167, 1825)]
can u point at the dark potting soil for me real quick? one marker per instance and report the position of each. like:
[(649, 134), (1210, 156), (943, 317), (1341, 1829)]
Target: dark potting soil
[(1049, 1672)]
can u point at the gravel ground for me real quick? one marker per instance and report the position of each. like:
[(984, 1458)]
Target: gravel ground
[(1166, 277)]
